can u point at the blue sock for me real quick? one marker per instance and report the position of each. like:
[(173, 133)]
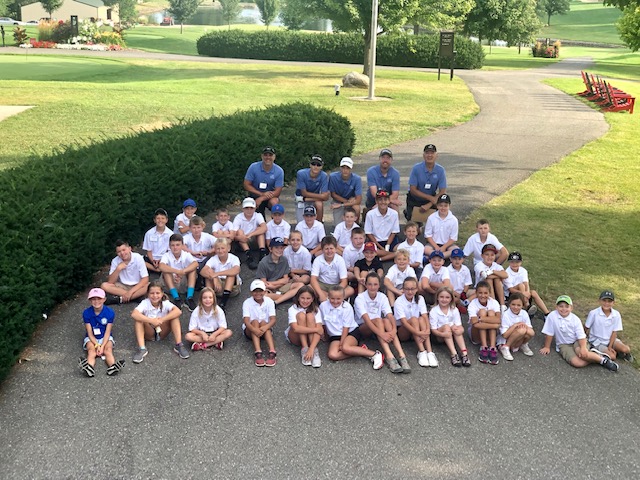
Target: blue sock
[(174, 293), (190, 291)]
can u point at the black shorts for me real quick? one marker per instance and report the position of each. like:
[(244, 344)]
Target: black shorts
[(355, 333)]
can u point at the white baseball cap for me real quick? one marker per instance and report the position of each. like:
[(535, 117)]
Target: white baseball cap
[(258, 285), (248, 202), (346, 162)]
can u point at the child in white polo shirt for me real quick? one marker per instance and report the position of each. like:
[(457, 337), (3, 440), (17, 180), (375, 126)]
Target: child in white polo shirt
[(343, 230), (156, 240), (299, 258), (312, 230), (603, 325), (259, 318), (491, 272), (399, 271), (200, 244), (482, 237), (329, 269), (515, 328), (181, 223), (249, 229), (434, 276), (414, 247), (179, 272), (342, 329), (223, 228), (446, 326), (277, 226), (571, 339), (381, 226), (518, 281), (441, 229), (208, 323), (484, 321), (222, 272), (354, 252), (460, 277)]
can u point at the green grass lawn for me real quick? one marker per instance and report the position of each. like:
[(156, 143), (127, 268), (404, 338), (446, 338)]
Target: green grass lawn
[(81, 98), (589, 22), (508, 58)]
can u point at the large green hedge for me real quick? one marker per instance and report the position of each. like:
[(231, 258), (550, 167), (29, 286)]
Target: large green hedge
[(392, 50), (62, 213)]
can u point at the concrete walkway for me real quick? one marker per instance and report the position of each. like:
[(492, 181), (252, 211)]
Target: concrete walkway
[(216, 415)]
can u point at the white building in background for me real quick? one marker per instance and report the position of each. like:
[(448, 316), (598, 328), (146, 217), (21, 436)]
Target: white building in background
[(84, 9)]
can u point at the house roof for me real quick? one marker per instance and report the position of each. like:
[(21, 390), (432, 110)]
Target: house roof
[(91, 3)]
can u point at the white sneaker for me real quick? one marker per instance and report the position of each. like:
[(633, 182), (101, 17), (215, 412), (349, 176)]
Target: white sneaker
[(377, 360), (506, 354), (433, 360), (423, 359), (526, 350), (303, 352), (503, 308), (532, 310), (316, 362)]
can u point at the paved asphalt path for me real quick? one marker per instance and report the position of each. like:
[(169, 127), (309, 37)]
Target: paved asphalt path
[(216, 415)]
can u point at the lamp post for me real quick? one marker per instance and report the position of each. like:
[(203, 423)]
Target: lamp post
[(372, 48)]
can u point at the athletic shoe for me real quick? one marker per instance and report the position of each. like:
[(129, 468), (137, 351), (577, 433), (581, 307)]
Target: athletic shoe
[(303, 352), (404, 363), (85, 367), (423, 359), (251, 262), (433, 360), (465, 361), (526, 350), (316, 362), (177, 302), (602, 354), (455, 360), (259, 359), (627, 357), (139, 355), (394, 366), (191, 304), (506, 353), (218, 346), (462, 309), (115, 368), (181, 350), (377, 360), (271, 359), (610, 364), (197, 346), (484, 355), (532, 310), (113, 300), (493, 356)]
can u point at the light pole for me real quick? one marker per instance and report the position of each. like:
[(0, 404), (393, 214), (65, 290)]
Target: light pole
[(372, 48)]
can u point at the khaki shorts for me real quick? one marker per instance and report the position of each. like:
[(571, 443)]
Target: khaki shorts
[(568, 352), (325, 286), (235, 290), (182, 286), (123, 286)]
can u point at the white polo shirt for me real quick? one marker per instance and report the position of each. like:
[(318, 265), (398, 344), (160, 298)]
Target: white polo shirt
[(481, 267), (207, 322), (352, 254), (256, 311), (218, 227), (439, 277), (180, 218), (247, 225), (381, 226), (135, 271), (313, 235), (602, 327), (218, 265), (148, 310), (397, 277), (474, 246), (377, 307), (403, 308), (509, 319), (157, 242), (514, 278), (335, 319), (475, 306), (283, 229), (206, 243), (459, 278), (437, 318), (566, 330), (300, 260), (416, 251), (342, 234), (441, 230), (330, 273), (183, 261)]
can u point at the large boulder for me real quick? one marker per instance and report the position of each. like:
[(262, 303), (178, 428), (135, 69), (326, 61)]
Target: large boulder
[(355, 79)]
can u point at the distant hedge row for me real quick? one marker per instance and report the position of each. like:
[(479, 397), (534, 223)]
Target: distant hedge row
[(62, 213), (392, 50)]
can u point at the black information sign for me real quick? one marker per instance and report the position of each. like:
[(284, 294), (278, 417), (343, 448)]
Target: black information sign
[(74, 25), (446, 50)]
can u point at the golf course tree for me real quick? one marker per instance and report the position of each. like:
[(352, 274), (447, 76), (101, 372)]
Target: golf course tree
[(126, 10), (554, 7), (51, 6), (268, 11), (629, 23), (437, 15), (293, 14), (181, 10), (230, 10)]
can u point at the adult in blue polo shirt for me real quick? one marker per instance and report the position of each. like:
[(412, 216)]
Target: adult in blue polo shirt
[(427, 181), (345, 188), (312, 188), (264, 180), (383, 177)]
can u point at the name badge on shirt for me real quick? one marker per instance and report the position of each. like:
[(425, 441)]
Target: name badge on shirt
[(96, 331), (154, 238), (262, 186), (427, 186)]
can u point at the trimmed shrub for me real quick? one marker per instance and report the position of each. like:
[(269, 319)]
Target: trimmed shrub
[(63, 212), (392, 50)]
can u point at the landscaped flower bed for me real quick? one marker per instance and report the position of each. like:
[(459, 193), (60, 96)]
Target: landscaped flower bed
[(72, 46)]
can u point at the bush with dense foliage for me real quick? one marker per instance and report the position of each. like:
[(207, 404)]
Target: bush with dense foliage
[(62, 213), (392, 50)]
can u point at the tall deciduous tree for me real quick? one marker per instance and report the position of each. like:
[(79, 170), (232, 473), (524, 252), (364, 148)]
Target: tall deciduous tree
[(294, 14), (440, 14), (183, 9), (629, 24), (521, 23), (230, 10), (126, 9), (51, 6), (268, 10), (555, 7)]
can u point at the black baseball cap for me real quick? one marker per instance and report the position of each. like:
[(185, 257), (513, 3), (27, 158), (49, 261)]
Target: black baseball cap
[(430, 147), (269, 150)]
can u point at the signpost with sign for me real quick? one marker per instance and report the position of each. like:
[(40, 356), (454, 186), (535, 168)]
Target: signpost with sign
[(446, 50)]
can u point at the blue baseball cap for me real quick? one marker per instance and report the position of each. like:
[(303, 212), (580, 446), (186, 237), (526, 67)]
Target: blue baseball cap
[(276, 242), (277, 208), (189, 202), (457, 253), (436, 253)]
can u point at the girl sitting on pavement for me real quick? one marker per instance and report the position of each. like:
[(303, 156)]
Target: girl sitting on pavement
[(208, 323), (305, 325), (446, 325)]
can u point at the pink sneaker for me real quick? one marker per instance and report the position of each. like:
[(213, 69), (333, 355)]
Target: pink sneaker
[(198, 346), (219, 346)]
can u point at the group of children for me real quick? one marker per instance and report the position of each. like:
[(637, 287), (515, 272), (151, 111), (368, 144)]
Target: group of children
[(340, 292)]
